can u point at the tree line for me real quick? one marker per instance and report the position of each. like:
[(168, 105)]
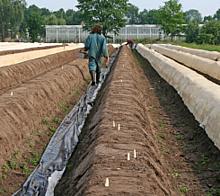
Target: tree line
[(208, 33), (11, 17), (18, 20), (175, 22)]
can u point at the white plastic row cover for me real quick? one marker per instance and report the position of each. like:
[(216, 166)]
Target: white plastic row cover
[(213, 55), (201, 96), (203, 65)]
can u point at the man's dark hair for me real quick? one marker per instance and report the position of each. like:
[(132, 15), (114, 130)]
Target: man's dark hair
[(97, 29)]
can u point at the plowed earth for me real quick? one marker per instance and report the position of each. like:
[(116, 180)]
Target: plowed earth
[(174, 155), (35, 96)]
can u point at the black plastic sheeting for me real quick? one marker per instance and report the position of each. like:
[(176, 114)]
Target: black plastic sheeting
[(61, 146)]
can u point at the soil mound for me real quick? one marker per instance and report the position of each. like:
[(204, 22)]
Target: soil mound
[(11, 76), (103, 149), (31, 102)]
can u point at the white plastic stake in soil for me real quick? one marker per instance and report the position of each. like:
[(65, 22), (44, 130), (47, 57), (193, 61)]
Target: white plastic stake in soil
[(62, 67), (119, 127), (107, 182), (128, 157), (121, 81), (12, 93), (113, 124), (135, 154)]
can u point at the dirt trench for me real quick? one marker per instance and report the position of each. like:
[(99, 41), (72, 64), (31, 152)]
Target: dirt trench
[(174, 155), (103, 149)]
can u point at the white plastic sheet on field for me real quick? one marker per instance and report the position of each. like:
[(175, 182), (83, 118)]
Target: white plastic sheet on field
[(204, 65), (200, 95), (11, 59), (213, 55), (5, 46)]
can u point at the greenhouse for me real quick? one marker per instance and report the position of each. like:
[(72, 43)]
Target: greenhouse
[(75, 33)]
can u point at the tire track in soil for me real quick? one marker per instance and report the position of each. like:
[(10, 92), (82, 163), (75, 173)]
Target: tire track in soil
[(194, 161), (102, 151)]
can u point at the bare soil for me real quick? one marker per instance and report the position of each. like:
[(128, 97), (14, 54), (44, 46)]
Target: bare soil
[(44, 91), (14, 75), (174, 155), (193, 159), (102, 151), (25, 151)]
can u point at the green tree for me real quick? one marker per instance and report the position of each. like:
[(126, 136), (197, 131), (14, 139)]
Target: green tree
[(207, 18), (17, 16), (149, 17), (34, 8), (45, 12), (143, 17), (73, 17), (171, 17), (11, 17), (5, 11), (60, 13), (132, 14), (109, 13), (217, 15), (61, 21), (193, 15), (29, 20), (35, 25), (51, 20), (210, 33), (192, 32)]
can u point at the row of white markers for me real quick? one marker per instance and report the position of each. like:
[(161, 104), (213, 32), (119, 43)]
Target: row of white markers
[(107, 182)]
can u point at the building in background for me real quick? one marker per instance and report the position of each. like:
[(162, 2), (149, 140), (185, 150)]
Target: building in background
[(76, 34)]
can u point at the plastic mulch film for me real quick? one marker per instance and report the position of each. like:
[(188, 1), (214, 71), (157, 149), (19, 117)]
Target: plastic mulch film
[(46, 176), (200, 95)]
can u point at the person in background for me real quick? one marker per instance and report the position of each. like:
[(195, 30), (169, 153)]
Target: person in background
[(130, 42), (96, 46)]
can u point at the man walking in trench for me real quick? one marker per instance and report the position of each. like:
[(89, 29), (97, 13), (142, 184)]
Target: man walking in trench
[(97, 48)]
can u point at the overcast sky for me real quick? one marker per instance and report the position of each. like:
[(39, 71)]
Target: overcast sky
[(206, 7)]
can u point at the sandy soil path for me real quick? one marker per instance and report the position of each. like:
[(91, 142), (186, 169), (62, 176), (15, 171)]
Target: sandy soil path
[(11, 59)]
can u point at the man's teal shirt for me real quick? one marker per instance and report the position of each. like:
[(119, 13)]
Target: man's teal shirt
[(97, 48)]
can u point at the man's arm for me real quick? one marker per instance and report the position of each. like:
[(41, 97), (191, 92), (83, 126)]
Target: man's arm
[(105, 52), (87, 43)]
